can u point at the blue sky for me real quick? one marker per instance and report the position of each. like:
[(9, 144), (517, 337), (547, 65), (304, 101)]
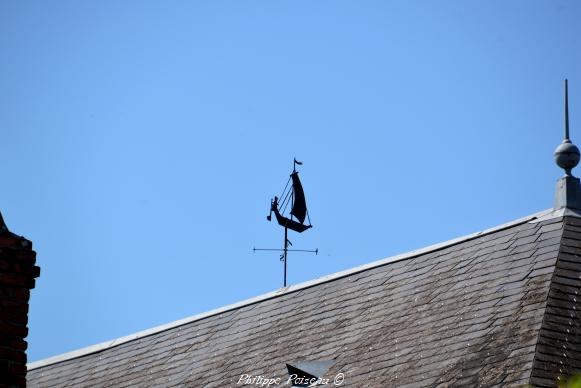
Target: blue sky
[(142, 141)]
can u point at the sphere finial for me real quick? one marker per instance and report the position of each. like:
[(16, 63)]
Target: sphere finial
[(567, 154)]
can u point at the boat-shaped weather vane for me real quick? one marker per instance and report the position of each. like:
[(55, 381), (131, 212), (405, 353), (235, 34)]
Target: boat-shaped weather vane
[(294, 196)]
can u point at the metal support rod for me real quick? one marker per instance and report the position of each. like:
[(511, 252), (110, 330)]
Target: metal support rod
[(285, 253), (288, 250)]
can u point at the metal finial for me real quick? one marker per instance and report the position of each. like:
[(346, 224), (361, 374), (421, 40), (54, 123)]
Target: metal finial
[(567, 154)]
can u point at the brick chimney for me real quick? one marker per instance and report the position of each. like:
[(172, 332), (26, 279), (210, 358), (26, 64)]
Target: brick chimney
[(17, 274)]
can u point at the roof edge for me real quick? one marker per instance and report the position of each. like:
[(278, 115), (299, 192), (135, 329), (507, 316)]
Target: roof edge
[(536, 217)]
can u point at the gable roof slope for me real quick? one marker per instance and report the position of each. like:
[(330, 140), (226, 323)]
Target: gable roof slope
[(498, 308)]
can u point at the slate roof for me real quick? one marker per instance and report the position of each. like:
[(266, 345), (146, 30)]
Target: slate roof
[(498, 308)]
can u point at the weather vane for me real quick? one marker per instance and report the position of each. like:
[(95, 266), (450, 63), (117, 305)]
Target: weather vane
[(295, 197)]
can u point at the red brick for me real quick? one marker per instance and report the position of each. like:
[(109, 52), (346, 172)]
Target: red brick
[(16, 318), (14, 343), (26, 255), (14, 381), (12, 355), (14, 306), (34, 271), (6, 340), (13, 279), (6, 311), (18, 369), (21, 294), (25, 268), (8, 241), (18, 331), (18, 344)]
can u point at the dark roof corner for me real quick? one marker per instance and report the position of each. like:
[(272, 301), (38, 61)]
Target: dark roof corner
[(3, 227), (7, 238), (306, 373)]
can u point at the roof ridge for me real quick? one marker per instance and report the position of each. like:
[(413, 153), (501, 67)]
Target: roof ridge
[(553, 358), (545, 214), (538, 335)]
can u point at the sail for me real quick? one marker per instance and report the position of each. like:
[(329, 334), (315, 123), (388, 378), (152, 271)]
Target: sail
[(299, 209)]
